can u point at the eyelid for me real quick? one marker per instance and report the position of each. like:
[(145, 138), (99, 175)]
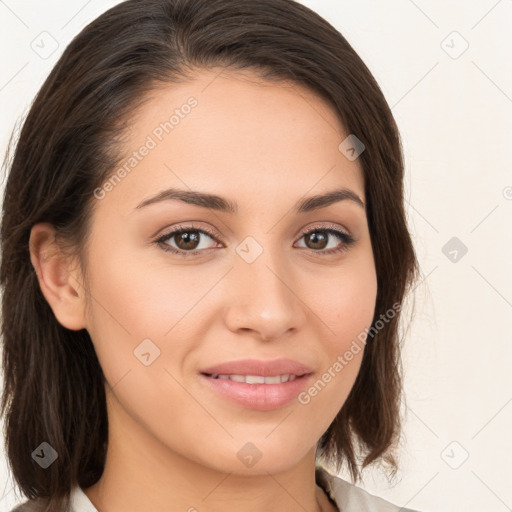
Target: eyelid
[(323, 226)]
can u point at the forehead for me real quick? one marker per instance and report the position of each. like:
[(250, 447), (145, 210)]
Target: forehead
[(236, 135)]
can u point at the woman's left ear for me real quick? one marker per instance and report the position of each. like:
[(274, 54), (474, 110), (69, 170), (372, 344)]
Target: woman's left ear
[(59, 278)]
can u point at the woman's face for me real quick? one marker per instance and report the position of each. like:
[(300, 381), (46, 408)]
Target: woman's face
[(257, 286)]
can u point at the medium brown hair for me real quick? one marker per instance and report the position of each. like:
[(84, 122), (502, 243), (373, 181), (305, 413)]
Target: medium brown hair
[(54, 387)]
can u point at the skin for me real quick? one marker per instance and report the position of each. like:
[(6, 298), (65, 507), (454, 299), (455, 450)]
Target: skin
[(171, 439)]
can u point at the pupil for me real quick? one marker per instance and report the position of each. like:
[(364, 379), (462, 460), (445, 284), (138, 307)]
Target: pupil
[(188, 239), (315, 238)]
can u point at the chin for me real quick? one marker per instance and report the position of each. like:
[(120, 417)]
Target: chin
[(256, 458)]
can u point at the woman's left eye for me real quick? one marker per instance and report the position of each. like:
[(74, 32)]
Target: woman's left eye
[(188, 240), (321, 236)]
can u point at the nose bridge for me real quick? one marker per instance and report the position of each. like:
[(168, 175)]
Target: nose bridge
[(259, 264), (262, 283)]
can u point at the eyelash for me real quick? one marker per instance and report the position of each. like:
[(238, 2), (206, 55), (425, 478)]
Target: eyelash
[(346, 239)]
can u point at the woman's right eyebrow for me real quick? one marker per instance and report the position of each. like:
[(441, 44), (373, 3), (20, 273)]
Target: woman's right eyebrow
[(221, 204)]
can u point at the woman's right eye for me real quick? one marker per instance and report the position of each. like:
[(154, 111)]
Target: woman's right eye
[(187, 239)]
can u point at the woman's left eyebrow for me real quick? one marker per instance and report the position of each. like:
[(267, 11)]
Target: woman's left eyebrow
[(221, 204)]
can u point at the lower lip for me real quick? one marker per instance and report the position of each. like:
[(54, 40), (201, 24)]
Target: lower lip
[(261, 397)]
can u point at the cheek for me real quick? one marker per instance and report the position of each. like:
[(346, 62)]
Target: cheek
[(344, 302), (142, 312), (135, 297), (345, 307), (133, 306), (121, 316)]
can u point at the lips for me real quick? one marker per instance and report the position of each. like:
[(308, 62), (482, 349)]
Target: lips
[(258, 384), (259, 368)]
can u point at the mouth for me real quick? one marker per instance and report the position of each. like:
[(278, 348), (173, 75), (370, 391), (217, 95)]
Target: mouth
[(257, 385), (253, 370), (256, 379)]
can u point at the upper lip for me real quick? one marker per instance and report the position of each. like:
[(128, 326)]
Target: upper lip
[(265, 368)]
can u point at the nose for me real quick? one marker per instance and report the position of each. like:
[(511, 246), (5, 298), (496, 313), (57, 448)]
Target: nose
[(264, 297)]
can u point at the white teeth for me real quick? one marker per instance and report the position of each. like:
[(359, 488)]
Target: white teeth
[(254, 379), (257, 379)]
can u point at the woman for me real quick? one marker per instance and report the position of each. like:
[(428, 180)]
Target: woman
[(204, 259)]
